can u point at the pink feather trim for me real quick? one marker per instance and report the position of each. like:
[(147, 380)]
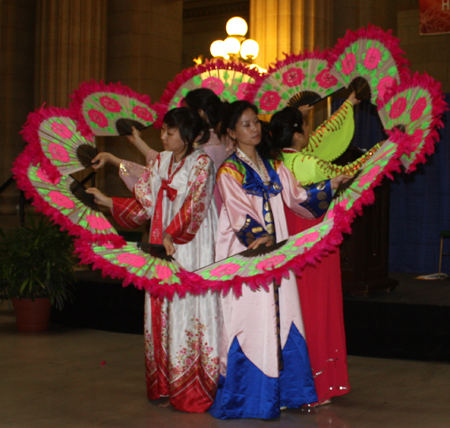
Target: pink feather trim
[(439, 106), (20, 169), (195, 284), (186, 75), (87, 88), (290, 58), (30, 133), (376, 33), (155, 287)]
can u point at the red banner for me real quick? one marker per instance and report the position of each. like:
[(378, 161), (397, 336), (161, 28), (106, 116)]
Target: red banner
[(434, 16)]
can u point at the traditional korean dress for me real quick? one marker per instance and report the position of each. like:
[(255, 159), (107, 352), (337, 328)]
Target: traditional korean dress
[(320, 286), (217, 149), (264, 358), (182, 335)]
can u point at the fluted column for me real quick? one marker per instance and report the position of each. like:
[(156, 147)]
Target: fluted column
[(16, 91), (70, 47), (289, 26), (145, 42)]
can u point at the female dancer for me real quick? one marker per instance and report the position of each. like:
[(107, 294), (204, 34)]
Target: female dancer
[(176, 192), (264, 359), (319, 286), (209, 106)]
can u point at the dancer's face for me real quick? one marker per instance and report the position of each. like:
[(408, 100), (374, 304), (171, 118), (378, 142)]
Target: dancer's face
[(248, 129), (172, 141)]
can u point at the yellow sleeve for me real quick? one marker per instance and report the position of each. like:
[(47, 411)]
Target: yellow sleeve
[(332, 138)]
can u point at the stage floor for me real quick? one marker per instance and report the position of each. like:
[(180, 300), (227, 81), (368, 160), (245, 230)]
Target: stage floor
[(86, 378)]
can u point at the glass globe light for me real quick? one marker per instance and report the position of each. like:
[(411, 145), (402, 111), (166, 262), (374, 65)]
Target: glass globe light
[(217, 48), (232, 45), (249, 49), (236, 26)]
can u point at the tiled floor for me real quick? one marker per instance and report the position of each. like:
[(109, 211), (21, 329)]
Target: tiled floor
[(88, 378)]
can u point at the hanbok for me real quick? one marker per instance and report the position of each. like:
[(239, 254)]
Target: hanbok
[(182, 335), (264, 361), (320, 286)]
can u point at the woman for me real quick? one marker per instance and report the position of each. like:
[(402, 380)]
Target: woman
[(319, 286), (209, 106), (264, 359), (176, 193)]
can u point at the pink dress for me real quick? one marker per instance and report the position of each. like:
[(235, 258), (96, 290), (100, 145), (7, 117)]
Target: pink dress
[(264, 362)]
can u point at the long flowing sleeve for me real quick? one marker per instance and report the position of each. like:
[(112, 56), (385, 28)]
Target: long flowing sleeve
[(244, 217), (332, 138), (306, 201), (130, 172), (309, 169), (189, 218), (128, 212)]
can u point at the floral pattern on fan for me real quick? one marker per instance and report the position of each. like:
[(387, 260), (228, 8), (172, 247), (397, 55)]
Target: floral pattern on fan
[(382, 163), (62, 199), (368, 61), (54, 141), (229, 80), (415, 107), (157, 275), (111, 110), (297, 80)]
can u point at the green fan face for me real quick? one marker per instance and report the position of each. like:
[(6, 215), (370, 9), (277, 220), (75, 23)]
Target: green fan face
[(371, 60), (299, 83), (107, 113), (64, 146), (139, 263), (228, 85)]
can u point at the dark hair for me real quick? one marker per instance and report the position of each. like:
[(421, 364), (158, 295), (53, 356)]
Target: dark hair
[(284, 124), (230, 118), (189, 124), (205, 99)]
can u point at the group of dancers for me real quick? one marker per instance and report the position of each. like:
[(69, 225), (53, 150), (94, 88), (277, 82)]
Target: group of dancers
[(227, 182)]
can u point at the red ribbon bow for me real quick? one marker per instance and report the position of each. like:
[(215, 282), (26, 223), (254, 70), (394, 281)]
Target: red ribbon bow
[(156, 232)]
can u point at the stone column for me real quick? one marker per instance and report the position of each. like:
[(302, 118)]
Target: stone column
[(70, 47), (17, 26), (289, 26), (144, 52)]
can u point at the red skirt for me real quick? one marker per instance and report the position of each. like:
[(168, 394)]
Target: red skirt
[(320, 290)]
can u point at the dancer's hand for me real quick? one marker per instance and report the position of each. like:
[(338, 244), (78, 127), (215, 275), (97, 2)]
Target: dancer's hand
[(100, 198), (336, 181), (352, 98), (103, 158), (139, 143), (304, 110), (135, 136), (260, 241), (168, 244)]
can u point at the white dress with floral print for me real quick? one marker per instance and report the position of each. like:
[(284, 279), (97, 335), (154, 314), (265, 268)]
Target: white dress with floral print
[(182, 335)]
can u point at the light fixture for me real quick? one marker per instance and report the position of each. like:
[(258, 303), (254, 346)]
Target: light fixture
[(236, 46), (249, 49), (236, 26)]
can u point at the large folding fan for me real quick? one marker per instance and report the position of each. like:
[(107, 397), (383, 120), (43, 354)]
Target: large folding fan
[(162, 276), (368, 61), (54, 141), (146, 266), (229, 80), (359, 190), (111, 109), (415, 107), (298, 80), (65, 202)]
